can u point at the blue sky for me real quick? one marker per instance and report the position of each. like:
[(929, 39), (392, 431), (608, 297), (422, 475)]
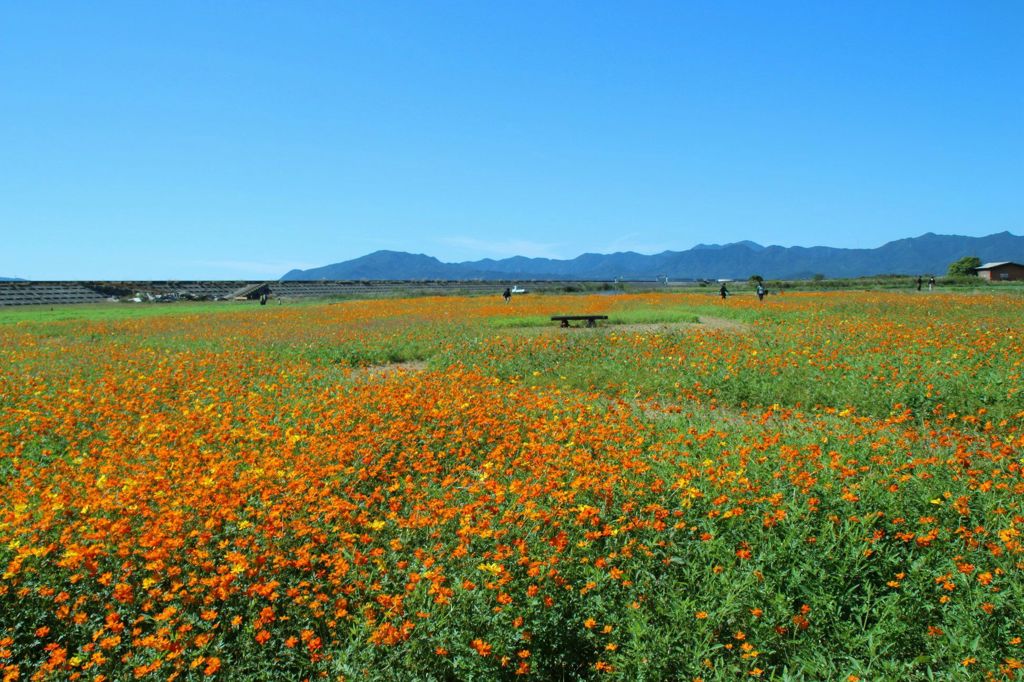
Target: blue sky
[(238, 140)]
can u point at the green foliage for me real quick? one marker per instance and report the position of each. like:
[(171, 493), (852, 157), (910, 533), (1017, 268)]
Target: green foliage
[(519, 322), (964, 267), (823, 486)]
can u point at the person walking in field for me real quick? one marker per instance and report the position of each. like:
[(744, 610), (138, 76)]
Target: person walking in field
[(919, 282), (507, 295), (723, 291), (761, 291), (931, 283)]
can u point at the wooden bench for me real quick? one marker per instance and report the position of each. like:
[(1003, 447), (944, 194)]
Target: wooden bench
[(590, 319)]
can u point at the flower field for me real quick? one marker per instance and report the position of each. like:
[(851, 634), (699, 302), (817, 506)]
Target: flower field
[(820, 486)]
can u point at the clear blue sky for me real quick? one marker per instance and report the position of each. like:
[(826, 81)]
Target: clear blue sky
[(229, 139)]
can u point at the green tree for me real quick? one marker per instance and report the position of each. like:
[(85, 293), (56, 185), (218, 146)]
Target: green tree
[(964, 267), (756, 278)]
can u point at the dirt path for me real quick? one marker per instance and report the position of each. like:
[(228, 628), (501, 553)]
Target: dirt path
[(374, 371), (709, 323), (723, 323), (705, 323)]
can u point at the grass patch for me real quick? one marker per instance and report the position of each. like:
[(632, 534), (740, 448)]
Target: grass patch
[(115, 311), (516, 322)]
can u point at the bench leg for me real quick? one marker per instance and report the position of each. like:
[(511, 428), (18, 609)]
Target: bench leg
[(591, 323)]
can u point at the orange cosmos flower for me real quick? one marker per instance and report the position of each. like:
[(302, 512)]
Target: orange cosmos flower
[(212, 665)]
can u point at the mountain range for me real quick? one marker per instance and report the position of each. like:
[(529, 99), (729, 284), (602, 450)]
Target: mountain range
[(928, 254)]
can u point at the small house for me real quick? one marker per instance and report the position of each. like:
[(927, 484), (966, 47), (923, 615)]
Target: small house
[(1001, 272)]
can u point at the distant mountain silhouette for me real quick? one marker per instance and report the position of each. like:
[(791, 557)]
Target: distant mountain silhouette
[(380, 265), (927, 254), (12, 279), (753, 246)]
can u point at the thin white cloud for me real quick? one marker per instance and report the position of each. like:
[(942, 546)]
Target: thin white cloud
[(634, 241), (264, 268), (474, 249)]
